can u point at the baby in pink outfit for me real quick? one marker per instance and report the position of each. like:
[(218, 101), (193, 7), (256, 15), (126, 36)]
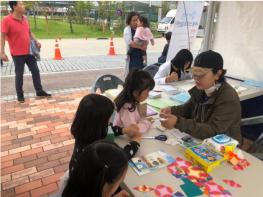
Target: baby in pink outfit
[(143, 34)]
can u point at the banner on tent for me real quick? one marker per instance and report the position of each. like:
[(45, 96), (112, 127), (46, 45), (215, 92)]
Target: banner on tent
[(186, 25)]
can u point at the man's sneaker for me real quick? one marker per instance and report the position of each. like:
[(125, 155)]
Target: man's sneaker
[(43, 94), (21, 98)]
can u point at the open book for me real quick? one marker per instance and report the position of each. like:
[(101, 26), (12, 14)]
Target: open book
[(150, 162)]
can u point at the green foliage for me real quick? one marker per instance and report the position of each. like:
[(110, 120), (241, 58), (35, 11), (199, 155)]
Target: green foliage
[(61, 29), (81, 9), (165, 8)]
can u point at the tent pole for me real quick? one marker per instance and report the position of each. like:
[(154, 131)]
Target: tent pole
[(206, 45)]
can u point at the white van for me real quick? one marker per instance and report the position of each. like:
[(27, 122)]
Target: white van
[(166, 24)]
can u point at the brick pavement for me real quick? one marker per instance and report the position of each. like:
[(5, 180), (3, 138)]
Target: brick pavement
[(36, 143)]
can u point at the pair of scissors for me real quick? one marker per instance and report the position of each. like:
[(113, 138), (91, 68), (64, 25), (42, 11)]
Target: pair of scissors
[(158, 137)]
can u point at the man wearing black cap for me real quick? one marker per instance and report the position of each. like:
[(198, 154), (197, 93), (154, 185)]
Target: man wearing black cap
[(214, 106)]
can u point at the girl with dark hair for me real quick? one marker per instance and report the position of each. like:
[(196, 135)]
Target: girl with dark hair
[(101, 168), (135, 90), (214, 106), (176, 69), (91, 124), (143, 35), (134, 52)]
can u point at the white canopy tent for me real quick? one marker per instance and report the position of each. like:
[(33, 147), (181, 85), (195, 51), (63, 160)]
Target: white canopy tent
[(235, 29)]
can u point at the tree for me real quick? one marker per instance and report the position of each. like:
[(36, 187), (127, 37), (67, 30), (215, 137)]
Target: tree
[(79, 7), (82, 9), (165, 7), (46, 14), (70, 14), (4, 9), (32, 5), (102, 13)]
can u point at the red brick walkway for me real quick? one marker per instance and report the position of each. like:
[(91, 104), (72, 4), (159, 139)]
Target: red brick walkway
[(36, 144)]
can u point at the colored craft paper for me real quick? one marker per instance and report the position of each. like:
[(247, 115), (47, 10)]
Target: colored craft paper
[(179, 162), (213, 189), (143, 188), (161, 103), (242, 164), (184, 169), (190, 189), (232, 183), (233, 161), (197, 175), (163, 191), (257, 84), (175, 170), (170, 89), (182, 97), (178, 194), (150, 111)]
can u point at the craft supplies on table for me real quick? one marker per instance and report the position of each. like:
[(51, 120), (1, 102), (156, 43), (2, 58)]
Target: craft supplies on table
[(204, 156), (150, 162), (221, 143)]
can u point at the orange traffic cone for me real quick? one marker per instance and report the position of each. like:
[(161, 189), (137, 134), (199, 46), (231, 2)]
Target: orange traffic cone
[(57, 52), (111, 49)]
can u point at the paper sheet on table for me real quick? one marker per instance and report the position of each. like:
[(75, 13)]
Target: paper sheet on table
[(187, 85), (258, 84), (162, 103), (170, 89), (154, 95), (150, 111), (239, 89), (157, 89), (182, 97), (178, 134)]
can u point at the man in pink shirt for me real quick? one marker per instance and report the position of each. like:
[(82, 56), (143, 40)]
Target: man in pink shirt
[(15, 28)]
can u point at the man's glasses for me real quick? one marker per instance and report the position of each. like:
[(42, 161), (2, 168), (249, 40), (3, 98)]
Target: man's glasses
[(198, 77)]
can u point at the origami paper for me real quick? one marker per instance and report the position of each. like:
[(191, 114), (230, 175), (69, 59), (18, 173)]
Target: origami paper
[(213, 189), (178, 194), (163, 191), (184, 169), (242, 164), (190, 189), (143, 188), (232, 183)]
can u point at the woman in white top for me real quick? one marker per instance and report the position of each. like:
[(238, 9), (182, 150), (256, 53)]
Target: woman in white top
[(176, 69), (134, 53)]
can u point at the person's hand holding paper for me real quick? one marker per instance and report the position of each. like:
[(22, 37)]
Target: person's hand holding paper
[(168, 120), (166, 110)]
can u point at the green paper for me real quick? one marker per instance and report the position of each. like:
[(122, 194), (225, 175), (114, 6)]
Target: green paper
[(162, 103), (190, 189), (110, 136)]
